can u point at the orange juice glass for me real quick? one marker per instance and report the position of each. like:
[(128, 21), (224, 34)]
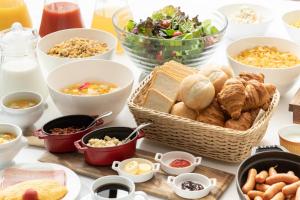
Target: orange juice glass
[(102, 19), (14, 11)]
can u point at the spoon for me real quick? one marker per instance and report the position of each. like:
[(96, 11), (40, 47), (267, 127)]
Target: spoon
[(106, 114), (136, 130)]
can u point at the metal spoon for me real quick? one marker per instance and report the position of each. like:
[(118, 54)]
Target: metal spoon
[(106, 114), (136, 130)]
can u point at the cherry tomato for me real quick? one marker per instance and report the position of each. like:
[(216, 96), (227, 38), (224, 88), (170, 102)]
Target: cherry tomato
[(177, 33), (30, 194), (165, 23), (84, 86)]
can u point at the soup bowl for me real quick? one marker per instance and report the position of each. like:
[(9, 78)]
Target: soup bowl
[(90, 70), (50, 62)]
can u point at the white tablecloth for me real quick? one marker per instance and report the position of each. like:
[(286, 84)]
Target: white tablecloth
[(282, 116)]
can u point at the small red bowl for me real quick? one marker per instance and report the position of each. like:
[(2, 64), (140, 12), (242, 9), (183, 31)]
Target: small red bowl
[(106, 155), (65, 143)]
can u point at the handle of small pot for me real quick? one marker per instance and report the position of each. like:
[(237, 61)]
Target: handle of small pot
[(78, 146), (261, 149), (141, 134), (39, 133), (171, 180), (213, 182), (141, 194), (116, 165), (198, 161), (158, 157), (156, 167)]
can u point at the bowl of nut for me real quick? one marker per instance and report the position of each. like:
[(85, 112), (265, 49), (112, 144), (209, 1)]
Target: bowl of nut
[(278, 59), (74, 44)]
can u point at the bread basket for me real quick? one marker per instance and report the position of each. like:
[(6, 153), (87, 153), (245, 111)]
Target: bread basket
[(196, 137)]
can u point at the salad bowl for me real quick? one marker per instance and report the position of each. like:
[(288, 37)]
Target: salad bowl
[(187, 45)]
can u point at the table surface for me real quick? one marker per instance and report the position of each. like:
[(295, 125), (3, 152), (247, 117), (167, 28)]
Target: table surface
[(281, 117)]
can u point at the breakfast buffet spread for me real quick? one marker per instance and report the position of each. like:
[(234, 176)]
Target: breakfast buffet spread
[(218, 111)]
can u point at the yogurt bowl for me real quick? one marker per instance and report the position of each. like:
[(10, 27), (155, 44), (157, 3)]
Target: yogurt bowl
[(9, 149), (290, 18)]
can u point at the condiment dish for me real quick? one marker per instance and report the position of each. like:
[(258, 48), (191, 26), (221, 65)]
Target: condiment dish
[(85, 71), (23, 117), (282, 77), (10, 149), (167, 158), (288, 19), (140, 178), (290, 138), (176, 184), (237, 29), (49, 62)]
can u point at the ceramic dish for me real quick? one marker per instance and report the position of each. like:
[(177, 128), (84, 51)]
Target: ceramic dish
[(72, 180), (91, 70), (119, 167), (107, 155), (10, 149), (290, 138), (283, 78), (65, 143), (263, 158), (49, 62), (24, 117), (238, 30), (207, 183), (290, 18), (167, 158)]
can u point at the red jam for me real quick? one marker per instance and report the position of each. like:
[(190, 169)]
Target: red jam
[(180, 163)]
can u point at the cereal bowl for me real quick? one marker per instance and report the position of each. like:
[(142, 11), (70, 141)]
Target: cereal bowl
[(49, 62), (237, 29), (90, 70), (290, 18), (282, 77)]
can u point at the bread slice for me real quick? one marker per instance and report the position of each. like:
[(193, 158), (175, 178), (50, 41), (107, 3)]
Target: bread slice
[(155, 100)]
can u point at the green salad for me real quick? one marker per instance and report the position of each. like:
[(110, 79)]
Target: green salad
[(169, 34)]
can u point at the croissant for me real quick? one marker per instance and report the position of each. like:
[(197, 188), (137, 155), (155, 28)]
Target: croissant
[(247, 76), (244, 122), (213, 114), (232, 97)]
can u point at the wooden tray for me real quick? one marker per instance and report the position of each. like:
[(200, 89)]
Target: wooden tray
[(157, 186), (295, 107)]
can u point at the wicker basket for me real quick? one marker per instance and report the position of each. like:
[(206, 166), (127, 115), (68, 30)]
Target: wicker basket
[(196, 137)]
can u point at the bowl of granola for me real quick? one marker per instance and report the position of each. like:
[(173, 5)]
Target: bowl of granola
[(76, 44), (278, 59)]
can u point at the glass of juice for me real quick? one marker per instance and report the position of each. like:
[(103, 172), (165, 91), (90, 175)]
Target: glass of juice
[(60, 15), (103, 12), (12, 11)]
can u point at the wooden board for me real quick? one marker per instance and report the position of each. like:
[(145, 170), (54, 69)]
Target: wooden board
[(157, 186), (295, 107)]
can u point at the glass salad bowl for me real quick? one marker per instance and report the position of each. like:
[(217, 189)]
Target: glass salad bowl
[(150, 51)]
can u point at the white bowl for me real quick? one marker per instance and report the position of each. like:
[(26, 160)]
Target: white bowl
[(167, 158), (22, 117), (49, 62), (119, 167), (237, 30), (289, 137), (90, 70), (207, 183), (10, 149), (282, 78), (290, 18)]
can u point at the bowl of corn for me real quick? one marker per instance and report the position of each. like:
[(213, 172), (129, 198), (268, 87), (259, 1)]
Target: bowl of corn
[(278, 59)]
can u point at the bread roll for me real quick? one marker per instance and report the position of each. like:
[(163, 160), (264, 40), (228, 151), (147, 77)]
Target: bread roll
[(196, 91), (217, 77), (180, 109)]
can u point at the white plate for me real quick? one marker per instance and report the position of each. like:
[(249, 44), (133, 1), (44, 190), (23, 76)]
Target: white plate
[(87, 197), (72, 180)]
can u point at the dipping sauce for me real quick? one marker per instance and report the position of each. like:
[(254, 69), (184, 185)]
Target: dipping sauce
[(6, 137), (65, 131), (113, 191), (58, 16), (191, 186), (21, 103), (78, 48), (137, 168), (105, 142), (90, 88), (180, 163)]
